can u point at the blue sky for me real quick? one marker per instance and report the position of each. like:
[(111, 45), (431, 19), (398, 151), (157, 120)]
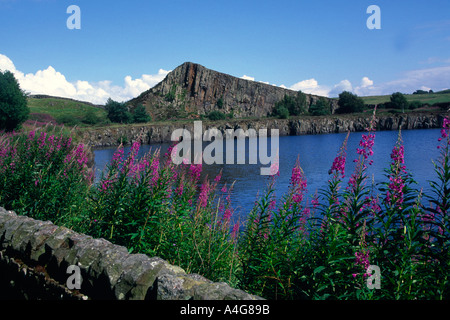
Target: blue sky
[(321, 47)]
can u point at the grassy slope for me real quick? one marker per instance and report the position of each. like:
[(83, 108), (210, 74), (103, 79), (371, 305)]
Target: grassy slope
[(430, 98), (62, 110)]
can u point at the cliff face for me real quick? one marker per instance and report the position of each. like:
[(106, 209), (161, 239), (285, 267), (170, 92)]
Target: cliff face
[(158, 133), (192, 89)]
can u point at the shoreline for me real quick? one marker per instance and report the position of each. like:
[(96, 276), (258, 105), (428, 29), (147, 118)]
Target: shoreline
[(154, 133)]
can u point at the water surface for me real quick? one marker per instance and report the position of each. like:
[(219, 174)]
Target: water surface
[(316, 154)]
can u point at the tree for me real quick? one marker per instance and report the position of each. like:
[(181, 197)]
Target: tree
[(118, 112), (140, 114), (13, 103), (290, 105), (349, 103), (398, 101), (321, 108)]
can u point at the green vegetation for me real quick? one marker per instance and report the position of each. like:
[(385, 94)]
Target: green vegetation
[(350, 103), (170, 96), (66, 111), (140, 115), (118, 112), (13, 103), (294, 247), (398, 101), (290, 106), (220, 103), (216, 115), (429, 98), (321, 108)]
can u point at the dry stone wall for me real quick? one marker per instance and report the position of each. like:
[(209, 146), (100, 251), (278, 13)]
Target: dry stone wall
[(35, 256)]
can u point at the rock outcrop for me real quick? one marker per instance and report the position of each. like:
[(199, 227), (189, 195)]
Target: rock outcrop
[(191, 90), (159, 133)]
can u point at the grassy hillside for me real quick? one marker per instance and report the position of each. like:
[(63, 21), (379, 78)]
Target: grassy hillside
[(65, 111), (429, 98)]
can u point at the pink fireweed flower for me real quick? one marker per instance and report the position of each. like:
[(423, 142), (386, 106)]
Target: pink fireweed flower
[(445, 133), (118, 156), (235, 230), (195, 171), (362, 259), (298, 183), (227, 215), (394, 194), (41, 139), (204, 193), (338, 166)]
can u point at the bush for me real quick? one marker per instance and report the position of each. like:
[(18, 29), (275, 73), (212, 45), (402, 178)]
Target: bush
[(216, 115), (170, 96), (415, 105), (90, 117), (321, 108), (220, 103), (118, 112), (398, 101), (140, 115), (13, 103), (290, 105), (350, 103)]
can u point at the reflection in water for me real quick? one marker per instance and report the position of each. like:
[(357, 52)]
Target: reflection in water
[(316, 154)]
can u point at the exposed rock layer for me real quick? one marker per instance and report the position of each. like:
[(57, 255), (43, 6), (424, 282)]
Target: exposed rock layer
[(197, 90), (159, 133)]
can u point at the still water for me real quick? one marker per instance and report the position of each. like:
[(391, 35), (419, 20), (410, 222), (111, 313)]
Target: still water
[(316, 154)]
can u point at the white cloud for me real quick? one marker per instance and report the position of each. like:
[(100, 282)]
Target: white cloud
[(51, 82), (245, 77), (366, 82), (311, 86), (344, 85)]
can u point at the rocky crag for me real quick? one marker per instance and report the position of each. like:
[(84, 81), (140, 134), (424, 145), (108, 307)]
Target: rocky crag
[(191, 90), (159, 133)]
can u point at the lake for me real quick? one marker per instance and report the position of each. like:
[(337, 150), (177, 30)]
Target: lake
[(316, 154)]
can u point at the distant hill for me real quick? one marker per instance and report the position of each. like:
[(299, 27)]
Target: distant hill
[(428, 98), (58, 110), (191, 90)]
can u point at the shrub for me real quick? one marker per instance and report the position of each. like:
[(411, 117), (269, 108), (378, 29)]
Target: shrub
[(349, 103), (216, 115), (415, 105), (140, 115), (170, 96), (290, 105), (13, 103), (321, 108), (90, 117), (398, 101), (118, 112)]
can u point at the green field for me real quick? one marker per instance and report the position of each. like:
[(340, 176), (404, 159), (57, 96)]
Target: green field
[(429, 98), (65, 111)]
